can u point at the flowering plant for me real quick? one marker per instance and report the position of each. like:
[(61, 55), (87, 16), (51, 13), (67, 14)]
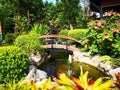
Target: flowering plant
[(82, 83), (65, 83), (103, 36), (117, 75)]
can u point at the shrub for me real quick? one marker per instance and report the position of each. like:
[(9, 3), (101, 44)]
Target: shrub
[(28, 43), (77, 33), (10, 38), (14, 63), (64, 32), (103, 35)]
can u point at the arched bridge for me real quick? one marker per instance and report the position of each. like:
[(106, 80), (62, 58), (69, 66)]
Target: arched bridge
[(58, 42)]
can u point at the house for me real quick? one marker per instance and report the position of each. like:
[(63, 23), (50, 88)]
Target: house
[(102, 6)]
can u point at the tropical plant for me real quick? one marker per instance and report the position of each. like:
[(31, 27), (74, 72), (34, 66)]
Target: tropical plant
[(83, 83), (14, 63), (39, 29), (65, 83), (103, 35)]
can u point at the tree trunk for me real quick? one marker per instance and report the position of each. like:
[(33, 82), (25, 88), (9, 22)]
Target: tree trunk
[(28, 16)]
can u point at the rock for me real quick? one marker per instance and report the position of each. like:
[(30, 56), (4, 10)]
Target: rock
[(112, 72), (35, 59), (32, 67), (86, 58), (95, 60), (36, 75), (105, 65)]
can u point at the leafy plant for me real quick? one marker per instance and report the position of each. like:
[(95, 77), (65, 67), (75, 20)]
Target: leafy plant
[(65, 83), (28, 43), (14, 63), (103, 35), (64, 32), (105, 57), (83, 83), (21, 24), (78, 34), (39, 29), (10, 38)]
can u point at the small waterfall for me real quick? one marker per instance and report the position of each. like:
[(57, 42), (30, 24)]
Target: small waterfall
[(69, 72)]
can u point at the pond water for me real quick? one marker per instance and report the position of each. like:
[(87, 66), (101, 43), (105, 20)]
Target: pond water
[(58, 63)]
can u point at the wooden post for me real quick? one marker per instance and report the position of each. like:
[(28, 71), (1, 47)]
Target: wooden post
[(1, 31)]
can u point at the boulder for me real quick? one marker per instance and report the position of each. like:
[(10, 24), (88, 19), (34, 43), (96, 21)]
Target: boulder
[(36, 75)]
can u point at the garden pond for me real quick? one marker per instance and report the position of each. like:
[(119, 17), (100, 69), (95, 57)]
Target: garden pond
[(59, 63)]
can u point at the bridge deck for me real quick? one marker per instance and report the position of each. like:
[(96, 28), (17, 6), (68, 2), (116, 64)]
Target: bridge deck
[(60, 46)]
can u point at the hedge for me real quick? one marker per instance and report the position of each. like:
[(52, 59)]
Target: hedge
[(64, 32), (28, 43), (14, 63), (77, 33)]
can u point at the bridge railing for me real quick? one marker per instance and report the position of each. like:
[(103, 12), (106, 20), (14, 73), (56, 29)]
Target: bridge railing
[(57, 41)]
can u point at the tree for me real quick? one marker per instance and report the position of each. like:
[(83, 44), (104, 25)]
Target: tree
[(30, 9), (70, 11)]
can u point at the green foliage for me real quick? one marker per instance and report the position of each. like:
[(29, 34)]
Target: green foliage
[(105, 57), (6, 15), (21, 24), (64, 32), (116, 46), (10, 38), (69, 14), (102, 36), (115, 62), (12, 85), (39, 29), (14, 63), (28, 43), (78, 34)]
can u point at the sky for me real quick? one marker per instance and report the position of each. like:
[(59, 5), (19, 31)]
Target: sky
[(53, 1)]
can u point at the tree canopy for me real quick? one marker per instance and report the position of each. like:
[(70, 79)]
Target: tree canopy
[(20, 15)]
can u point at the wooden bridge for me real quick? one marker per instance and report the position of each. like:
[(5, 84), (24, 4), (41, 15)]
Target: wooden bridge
[(55, 42)]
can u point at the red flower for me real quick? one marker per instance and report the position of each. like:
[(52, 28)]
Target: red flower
[(98, 24), (109, 13), (91, 82), (32, 82), (106, 35), (118, 24), (76, 85), (58, 74), (114, 30), (117, 75), (118, 14), (103, 22)]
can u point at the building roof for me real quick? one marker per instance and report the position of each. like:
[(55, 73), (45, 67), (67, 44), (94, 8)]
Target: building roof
[(105, 5)]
